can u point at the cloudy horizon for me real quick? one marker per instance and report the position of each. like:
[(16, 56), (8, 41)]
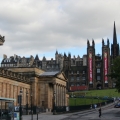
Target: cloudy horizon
[(43, 26)]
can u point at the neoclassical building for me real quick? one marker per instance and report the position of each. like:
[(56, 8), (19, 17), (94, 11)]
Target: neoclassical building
[(41, 85), (38, 87)]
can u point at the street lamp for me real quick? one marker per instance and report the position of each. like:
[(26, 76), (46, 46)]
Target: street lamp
[(20, 100), (54, 111), (31, 108), (26, 102)]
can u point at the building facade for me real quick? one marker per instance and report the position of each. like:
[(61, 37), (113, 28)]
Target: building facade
[(86, 72)]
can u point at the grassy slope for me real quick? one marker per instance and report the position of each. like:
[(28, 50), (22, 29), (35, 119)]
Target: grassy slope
[(92, 94)]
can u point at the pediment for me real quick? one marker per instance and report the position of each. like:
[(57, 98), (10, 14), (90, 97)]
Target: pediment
[(61, 76)]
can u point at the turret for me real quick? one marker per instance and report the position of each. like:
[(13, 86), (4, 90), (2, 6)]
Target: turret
[(93, 43), (108, 42), (88, 44), (102, 42)]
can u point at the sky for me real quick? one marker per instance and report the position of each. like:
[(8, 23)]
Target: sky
[(41, 27)]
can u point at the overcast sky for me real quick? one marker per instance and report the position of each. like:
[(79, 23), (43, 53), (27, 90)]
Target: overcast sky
[(41, 27)]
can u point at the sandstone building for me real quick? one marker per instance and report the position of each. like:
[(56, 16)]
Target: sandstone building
[(42, 87)]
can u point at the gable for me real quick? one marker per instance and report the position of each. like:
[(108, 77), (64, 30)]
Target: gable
[(61, 76)]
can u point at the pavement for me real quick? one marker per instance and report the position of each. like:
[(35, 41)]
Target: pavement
[(44, 116), (109, 114)]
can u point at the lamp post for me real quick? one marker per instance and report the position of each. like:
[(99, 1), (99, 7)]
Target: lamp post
[(20, 100), (54, 111), (26, 102), (31, 108), (31, 101)]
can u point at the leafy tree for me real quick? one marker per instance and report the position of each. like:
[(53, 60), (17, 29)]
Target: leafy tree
[(115, 72)]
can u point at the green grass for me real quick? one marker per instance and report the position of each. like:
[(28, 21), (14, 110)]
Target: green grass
[(91, 94), (84, 101), (106, 92)]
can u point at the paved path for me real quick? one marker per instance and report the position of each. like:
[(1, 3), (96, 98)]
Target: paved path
[(45, 116), (107, 114)]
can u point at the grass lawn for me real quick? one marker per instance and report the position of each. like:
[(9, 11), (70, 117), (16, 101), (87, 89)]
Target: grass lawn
[(84, 101), (102, 93), (90, 95)]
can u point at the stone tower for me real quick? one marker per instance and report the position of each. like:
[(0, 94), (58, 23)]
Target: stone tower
[(91, 64), (105, 64)]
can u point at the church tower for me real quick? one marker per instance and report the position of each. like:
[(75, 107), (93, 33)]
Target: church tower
[(106, 83), (114, 46), (91, 64)]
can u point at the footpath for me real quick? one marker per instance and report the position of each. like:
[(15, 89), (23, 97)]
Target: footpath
[(50, 116)]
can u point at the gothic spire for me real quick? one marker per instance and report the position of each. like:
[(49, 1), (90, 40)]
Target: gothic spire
[(114, 35)]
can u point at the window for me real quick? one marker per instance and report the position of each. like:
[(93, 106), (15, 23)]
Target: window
[(71, 72), (72, 78), (78, 78), (98, 77), (83, 72), (72, 84), (83, 77), (98, 70), (77, 72)]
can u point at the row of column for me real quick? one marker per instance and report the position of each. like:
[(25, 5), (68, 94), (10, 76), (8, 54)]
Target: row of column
[(60, 95), (12, 91)]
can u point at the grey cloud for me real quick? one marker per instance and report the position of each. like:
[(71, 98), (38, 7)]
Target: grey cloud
[(32, 27)]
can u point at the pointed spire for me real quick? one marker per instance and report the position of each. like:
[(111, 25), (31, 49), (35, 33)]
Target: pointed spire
[(107, 42), (88, 44), (102, 42), (114, 35), (56, 52), (93, 43)]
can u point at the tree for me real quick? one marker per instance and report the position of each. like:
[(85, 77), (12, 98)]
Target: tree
[(115, 72)]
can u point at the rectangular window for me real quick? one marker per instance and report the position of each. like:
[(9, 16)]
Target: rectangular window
[(78, 78), (83, 78), (77, 72), (83, 72), (72, 78), (98, 70), (98, 77)]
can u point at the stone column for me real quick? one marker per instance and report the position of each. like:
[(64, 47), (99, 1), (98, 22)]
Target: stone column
[(65, 96), (62, 95), (59, 95), (56, 95)]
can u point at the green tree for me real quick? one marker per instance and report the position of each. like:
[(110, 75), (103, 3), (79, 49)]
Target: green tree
[(115, 72)]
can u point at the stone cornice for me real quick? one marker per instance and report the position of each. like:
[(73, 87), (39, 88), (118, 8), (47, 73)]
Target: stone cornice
[(14, 76)]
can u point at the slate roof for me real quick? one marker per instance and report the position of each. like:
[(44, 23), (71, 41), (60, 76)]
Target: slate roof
[(53, 73)]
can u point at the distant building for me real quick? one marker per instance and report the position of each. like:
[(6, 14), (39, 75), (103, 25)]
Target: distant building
[(86, 72), (2, 40)]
